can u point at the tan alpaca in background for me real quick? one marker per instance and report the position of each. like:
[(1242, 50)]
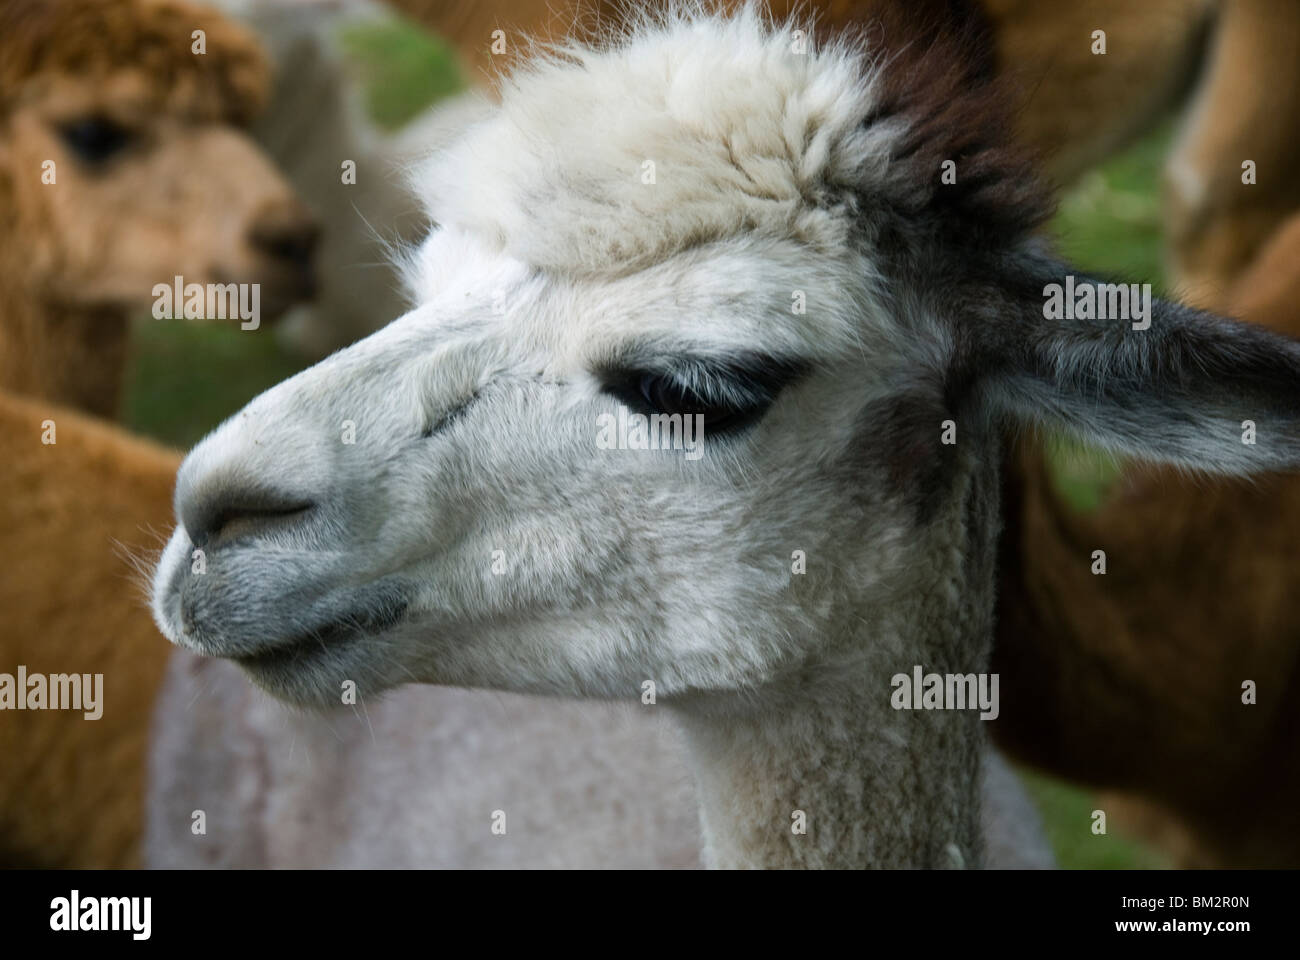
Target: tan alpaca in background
[(122, 165), (351, 174), (152, 176), (71, 789)]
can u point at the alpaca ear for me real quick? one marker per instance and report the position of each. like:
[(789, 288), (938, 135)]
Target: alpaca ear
[(1157, 380)]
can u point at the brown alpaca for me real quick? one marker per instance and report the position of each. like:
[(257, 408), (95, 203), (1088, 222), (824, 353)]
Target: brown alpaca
[(122, 165), (1134, 680), (71, 789), (1081, 107)]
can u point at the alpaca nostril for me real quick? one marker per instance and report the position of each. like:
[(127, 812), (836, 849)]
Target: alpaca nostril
[(242, 521), (286, 234), (295, 245), (241, 514)]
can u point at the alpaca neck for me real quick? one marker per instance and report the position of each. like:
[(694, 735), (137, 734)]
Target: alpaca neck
[(73, 355), (878, 786), (866, 793)]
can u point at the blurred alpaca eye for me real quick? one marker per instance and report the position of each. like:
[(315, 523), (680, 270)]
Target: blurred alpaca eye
[(94, 139)]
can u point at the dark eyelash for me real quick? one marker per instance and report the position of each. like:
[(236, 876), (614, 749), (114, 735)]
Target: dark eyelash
[(732, 392)]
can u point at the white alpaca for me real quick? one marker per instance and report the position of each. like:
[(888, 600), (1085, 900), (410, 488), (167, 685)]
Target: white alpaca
[(633, 225)]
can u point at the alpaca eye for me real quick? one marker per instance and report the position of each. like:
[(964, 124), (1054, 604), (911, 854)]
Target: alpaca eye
[(94, 139), (665, 395), (730, 394)]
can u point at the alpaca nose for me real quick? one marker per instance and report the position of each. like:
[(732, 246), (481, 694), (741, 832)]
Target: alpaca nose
[(228, 511), (287, 233)]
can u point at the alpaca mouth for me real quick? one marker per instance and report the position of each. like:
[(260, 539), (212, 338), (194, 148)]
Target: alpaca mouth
[(323, 643), (287, 287), (308, 647)]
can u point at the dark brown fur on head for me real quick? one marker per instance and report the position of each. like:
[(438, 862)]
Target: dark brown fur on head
[(939, 75), (95, 38)]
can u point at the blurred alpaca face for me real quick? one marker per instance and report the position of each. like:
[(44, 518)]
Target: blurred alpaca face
[(114, 192)]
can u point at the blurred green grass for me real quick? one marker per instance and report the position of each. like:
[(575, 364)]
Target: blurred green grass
[(1067, 820), (1109, 222), (185, 379), (402, 69)]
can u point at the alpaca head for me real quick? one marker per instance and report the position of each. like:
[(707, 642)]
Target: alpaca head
[(123, 162), (709, 218)]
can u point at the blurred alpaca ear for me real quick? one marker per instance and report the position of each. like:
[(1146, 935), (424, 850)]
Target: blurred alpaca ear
[(1135, 374)]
